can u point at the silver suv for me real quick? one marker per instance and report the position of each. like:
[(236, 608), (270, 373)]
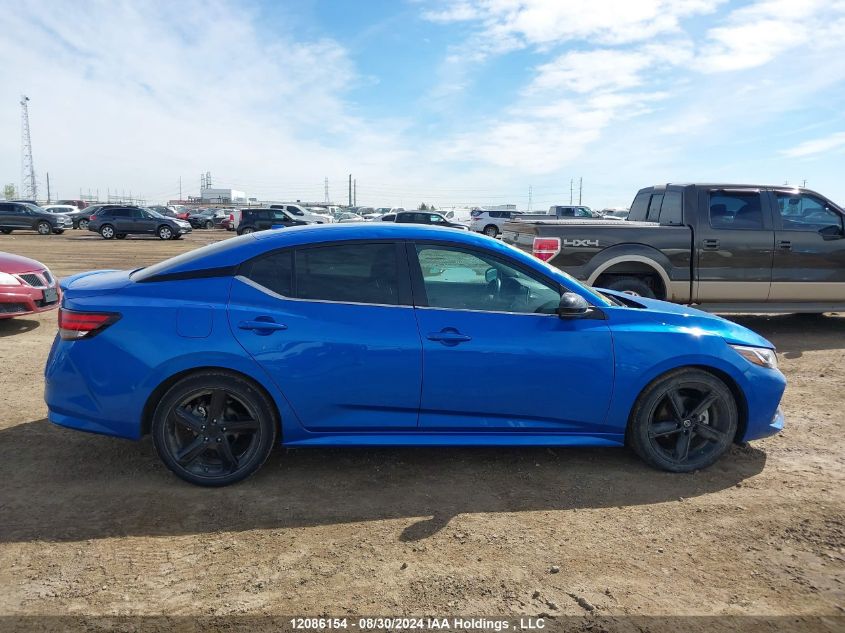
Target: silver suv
[(490, 222)]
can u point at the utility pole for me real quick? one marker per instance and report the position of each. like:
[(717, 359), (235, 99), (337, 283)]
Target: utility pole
[(326, 198), (350, 190), (180, 188), (804, 183), (570, 190), (355, 192), (29, 188), (530, 195), (580, 187), (48, 187)]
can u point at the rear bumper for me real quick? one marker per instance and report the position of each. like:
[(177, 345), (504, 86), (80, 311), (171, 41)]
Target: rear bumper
[(21, 300)]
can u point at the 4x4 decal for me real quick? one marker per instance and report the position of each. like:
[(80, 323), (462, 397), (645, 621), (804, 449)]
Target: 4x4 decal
[(580, 243)]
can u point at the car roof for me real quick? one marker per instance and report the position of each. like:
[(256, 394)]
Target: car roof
[(233, 251)]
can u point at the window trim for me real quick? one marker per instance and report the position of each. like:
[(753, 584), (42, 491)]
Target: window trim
[(418, 282), (405, 299)]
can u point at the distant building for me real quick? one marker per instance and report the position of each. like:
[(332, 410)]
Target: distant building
[(210, 194)]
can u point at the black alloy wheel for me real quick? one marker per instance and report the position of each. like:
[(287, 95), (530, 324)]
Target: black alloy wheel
[(684, 421), (213, 429)]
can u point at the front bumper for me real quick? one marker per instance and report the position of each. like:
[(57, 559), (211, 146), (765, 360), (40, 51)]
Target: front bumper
[(21, 300)]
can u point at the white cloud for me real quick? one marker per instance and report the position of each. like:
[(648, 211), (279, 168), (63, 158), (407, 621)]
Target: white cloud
[(757, 34), (816, 146), (508, 24), (137, 95)]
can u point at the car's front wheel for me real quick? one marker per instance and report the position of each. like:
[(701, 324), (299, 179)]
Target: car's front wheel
[(83, 225), (44, 228), (209, 224), (5, 231), (214, 428), (683, 421), (165, 232)]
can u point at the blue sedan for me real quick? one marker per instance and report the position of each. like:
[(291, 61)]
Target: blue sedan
[(276, 337)]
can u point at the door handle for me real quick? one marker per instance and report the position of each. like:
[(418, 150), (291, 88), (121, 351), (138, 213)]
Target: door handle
[(785, 245), (710, 245), (448, 336), (262, 326)]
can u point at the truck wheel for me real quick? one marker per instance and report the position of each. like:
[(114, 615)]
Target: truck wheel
[(631, 286), (491, 230)]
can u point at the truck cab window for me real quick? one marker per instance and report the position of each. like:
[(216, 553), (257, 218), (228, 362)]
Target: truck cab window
[(639, 207), (735, 210), (803, 212)]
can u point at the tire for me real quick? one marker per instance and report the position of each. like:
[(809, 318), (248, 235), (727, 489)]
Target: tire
[(683, 421), (209, 225), (632, 286), (121, 236), (58, 231), (246, 230), (83, 225), (107, 231), (44, 228), (164, 232), (189, 437), (491, 230), (5, 231)]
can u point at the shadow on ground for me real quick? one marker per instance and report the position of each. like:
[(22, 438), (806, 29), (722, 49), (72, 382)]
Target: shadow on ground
[(62, 485), (10, 327), (794, 334)]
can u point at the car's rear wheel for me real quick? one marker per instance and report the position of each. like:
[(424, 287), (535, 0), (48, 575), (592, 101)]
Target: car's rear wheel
[(245, 231), (165, 232), (5, 231), (121, 236), (683, 421), (491, 230), (107, 231), (214, 428), (83, 225), (631, 286), (44, 228), (58, 231)]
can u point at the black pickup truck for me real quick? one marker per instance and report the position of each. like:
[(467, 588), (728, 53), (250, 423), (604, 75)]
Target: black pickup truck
[(728, 248)]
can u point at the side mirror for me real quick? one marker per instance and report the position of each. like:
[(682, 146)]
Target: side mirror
[(491, 274), (572, 306), (831, 232)]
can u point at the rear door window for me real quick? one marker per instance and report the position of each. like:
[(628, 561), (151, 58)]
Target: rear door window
[(350, 273), (736, 210), (273, 271)]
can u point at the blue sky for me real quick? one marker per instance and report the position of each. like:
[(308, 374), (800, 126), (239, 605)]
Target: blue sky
[(455, 102)]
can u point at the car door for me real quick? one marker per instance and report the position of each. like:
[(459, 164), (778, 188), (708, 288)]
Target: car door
[(809, 258), (334, 327), (143, 222), (734, 242), (496, 356)]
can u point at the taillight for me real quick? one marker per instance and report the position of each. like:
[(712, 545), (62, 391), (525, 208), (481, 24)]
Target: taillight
[(92, 218), (231, 217), (76, 325), (546, 247)]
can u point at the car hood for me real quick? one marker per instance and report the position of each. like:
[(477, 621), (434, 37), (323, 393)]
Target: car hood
[(14, 264), (684, 316)]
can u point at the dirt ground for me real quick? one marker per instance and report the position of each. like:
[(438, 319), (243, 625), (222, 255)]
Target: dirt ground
[(97, 526)]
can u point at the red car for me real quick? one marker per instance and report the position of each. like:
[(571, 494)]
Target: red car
[(26, 287)]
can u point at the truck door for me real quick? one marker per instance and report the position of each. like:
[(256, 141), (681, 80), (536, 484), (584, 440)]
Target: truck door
[(734, 244), (809, 259)]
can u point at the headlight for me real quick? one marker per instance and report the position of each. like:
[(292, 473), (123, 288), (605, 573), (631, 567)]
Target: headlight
[(762, 356), (7, 280)]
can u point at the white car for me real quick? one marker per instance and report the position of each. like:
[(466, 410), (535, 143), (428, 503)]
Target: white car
[(301, 213), (348, 216), (490, 222)]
